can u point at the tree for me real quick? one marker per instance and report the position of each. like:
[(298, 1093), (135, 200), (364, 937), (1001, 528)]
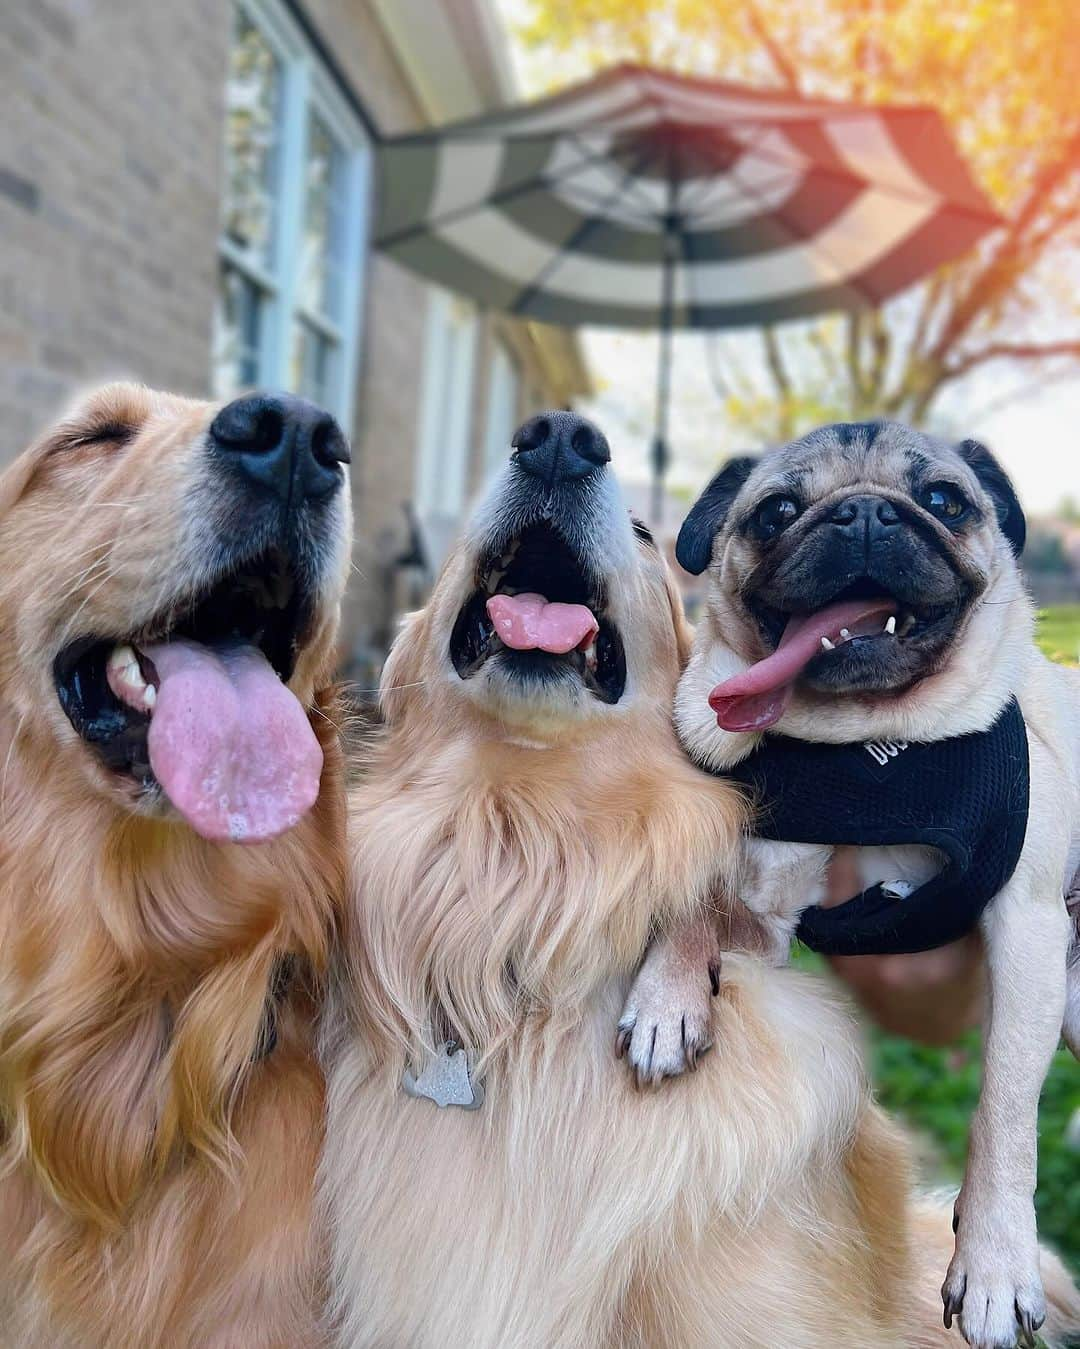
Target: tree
[(1006, 76)]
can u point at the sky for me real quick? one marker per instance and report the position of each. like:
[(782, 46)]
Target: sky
[(1036, 437), (1028, 417)]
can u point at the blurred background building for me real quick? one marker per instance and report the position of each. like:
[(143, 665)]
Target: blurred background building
[(185, 198)]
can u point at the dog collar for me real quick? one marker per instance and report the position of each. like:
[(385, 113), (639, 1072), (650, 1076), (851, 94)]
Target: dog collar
[(967, 796)]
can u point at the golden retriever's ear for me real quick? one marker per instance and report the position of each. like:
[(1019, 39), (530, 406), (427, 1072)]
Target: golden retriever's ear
[(402, 671), (217, 1032), (15, 480), (684, 633), (83, 1082), (112, 414)]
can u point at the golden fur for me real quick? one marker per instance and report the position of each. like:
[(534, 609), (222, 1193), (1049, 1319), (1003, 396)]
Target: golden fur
[(509, 865), (157, 1173)]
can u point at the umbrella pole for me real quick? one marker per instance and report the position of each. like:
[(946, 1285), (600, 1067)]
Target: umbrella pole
[(660, 451)]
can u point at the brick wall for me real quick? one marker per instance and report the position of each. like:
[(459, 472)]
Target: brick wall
[(111, 138), (110, 145)]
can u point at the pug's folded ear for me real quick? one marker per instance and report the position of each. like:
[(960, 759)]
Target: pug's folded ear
[(999, 488), (694, 545)]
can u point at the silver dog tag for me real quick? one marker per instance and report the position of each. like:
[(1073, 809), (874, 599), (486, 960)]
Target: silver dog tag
[(445, 1079)]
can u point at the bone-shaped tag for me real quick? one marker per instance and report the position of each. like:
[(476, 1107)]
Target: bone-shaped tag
[(445, 1079)]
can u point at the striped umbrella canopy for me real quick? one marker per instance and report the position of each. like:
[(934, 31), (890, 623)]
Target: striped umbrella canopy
[(647, 199)]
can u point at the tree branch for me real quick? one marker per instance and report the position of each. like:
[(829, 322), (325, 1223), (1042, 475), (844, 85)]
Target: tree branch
[(784, 66), (1015, 351), (881, 347), (819, 340), (781, 377), (854, 361), (1006, 261)]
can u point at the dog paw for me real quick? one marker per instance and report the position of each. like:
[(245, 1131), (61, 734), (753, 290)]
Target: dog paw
[(993, 1288), (666, 1025)]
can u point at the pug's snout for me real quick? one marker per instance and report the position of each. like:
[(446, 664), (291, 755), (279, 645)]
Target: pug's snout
[(867, 517)]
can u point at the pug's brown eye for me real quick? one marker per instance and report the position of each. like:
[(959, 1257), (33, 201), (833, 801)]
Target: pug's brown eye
[(774, 515), (945, 501)]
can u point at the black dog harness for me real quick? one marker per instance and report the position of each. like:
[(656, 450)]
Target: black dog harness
[(967, 797)]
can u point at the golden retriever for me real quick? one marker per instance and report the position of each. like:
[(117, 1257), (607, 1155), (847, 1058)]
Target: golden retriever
[(170, 580), (527, 821)]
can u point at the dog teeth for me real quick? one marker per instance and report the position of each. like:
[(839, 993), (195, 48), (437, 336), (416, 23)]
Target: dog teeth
[(845, 634), (126, 677), (121, 658), (907, 624), (890, 626), (827, 645)]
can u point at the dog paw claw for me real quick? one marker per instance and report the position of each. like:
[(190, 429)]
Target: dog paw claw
[(661, 1042), (954, 1302), (1030, 1323), (993, 1289)]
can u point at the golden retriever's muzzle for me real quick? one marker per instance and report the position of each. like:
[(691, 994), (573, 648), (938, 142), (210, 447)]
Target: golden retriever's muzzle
[(266, 532), (539, 607)]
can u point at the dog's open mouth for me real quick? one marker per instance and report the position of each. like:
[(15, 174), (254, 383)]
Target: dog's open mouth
[(536, 609), (852, 642), (197, 703)]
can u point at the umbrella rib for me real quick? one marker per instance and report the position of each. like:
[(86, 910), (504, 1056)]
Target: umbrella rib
[(850, 175), (709, 182), (607, 165), (526, 294), (493, 199), (810, 242)]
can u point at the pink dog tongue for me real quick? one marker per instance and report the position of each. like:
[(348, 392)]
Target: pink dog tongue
[(229, 743), (526, 622), (758, 698)]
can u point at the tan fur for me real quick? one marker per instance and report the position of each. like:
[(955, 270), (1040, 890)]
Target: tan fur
[(508, 869), (156, 1181)]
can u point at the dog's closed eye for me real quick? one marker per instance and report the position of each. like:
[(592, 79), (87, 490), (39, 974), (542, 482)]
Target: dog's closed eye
[(104, 433)]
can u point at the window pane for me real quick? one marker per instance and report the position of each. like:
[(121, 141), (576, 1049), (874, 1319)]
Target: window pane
[(311, 363), (324, 222), (238, 325), (502, 406), (252, 116)]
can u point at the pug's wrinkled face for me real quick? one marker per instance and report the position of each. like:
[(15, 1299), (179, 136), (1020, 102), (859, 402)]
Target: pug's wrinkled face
[(849, 562)]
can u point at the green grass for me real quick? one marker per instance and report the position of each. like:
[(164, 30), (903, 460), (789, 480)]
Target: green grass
[(935, 1090), (1059, 633)]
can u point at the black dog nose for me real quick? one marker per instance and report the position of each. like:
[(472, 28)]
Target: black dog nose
[(560, 447), (865, 515), (283, 443)]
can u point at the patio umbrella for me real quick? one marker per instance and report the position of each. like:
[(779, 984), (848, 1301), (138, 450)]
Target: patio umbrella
[(647, 199)]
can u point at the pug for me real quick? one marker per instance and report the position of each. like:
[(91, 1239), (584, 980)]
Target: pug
[(865, 664)]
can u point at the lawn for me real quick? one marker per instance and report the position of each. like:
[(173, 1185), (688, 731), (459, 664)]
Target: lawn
[(935, 1089), (1059, 633)]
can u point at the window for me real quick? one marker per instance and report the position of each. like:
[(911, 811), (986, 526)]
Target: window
[(294, 218), (445, 418), (502, 409)]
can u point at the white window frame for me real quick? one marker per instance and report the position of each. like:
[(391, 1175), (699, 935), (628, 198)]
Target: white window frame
[(503, 400), (446, 406), (306, 86)]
